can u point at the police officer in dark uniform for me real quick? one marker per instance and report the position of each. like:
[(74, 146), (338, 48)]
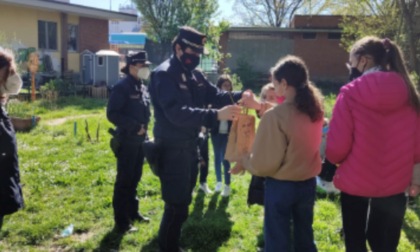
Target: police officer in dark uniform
[(180, 96), (129, 110)]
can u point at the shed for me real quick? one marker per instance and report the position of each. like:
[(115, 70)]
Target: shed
[(106, 67)]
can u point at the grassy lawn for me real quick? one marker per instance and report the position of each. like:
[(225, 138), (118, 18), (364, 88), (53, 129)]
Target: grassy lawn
[(69, 180)]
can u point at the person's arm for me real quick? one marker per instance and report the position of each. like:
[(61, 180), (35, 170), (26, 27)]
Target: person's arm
[(340, 134), (415, 181), (116, 103), (268, 149), (172, 100), (216, 96)]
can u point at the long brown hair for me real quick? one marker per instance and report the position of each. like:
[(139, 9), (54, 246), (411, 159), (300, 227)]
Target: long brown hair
[(7, 60), (388, 55), (308, 98)]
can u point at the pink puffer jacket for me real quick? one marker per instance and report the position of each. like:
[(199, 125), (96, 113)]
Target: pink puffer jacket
[(374, 135)]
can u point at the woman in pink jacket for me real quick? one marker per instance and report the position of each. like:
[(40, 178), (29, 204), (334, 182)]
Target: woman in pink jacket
[(375, 136)]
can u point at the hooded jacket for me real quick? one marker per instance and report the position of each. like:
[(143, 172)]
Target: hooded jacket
[(374, 136)]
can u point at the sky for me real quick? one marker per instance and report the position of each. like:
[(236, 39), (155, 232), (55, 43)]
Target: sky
[(225, 6)]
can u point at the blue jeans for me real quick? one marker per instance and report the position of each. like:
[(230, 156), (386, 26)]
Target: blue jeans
[(289, 203), (219, 148)]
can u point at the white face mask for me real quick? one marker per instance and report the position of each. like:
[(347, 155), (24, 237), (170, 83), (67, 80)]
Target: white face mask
[(143, 73), (12, 85)]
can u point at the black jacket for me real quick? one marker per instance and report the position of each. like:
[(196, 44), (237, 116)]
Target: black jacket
[(180, 99), (129, 106), (11, 198)]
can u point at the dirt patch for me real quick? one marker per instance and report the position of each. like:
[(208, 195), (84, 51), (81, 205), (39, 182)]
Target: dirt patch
[(59, 121)]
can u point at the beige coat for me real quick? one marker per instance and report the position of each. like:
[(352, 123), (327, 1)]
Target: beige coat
[(416, 175), (286, 145)]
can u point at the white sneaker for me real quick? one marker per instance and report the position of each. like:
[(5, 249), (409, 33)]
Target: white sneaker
[(205, 188), (330, 188), (226, 191), (218, 187)]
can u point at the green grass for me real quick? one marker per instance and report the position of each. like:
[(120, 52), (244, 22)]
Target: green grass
[(67, 179)]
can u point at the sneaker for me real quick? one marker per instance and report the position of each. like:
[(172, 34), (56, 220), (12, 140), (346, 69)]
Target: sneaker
[(330, 188), (218, 187), (226, 191), (205, 188), (125, 229)]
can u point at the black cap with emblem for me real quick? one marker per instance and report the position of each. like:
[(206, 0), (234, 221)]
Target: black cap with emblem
[(190, 37), (134, 57)]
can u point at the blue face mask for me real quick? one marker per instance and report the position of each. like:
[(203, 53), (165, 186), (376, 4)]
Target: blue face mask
[(325, 129)]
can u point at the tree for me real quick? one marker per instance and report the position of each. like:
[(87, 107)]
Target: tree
[(276, 13), (410, 12), (164, 17), (394, 19)]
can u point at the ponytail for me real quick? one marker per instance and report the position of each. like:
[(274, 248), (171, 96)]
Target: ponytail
[(388, 55), (308, 98), (395, 60), (309, 101)]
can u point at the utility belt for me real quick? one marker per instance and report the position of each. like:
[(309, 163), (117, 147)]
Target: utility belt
[(118, 138), (177, 144), (153, 149)]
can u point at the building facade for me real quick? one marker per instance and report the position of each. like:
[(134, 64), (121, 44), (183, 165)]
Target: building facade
[(316, 39), (57, 29)]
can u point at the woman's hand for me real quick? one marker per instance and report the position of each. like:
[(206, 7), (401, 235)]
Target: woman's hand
[(414, 190), (237, 169), (230, 112), (248, 100)]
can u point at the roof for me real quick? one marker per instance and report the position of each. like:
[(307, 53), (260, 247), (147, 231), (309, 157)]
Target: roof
[(107, 53), (277, 29), (73, 9)]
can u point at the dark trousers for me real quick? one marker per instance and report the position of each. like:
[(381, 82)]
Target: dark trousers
[(219, 148), (130, 158), (327, 171), (204, 152), (377, 220), (287, 201), (178, 176)]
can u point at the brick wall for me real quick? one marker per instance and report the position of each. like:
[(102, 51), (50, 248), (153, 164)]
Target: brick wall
[(310, 22), (324, 56), (93, 34)]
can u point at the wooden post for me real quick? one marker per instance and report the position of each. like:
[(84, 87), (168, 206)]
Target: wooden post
[(33, 64), (33, 96)]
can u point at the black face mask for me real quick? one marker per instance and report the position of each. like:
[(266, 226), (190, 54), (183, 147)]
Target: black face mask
[(190, 61), (354, 73)]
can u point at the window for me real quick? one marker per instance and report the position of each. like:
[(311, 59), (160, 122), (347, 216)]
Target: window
[(47, 35), (72, 44), (309, 35), (100, 61), (334, 35)]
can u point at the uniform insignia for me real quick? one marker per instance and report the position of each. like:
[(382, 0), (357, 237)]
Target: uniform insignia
[(134, 96), (184, 78), (183, 86), (200, 84)]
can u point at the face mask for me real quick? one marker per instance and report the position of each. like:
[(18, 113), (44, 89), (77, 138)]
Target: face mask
[(143, 73), (280, 99), (12, 85), (354, 73), (190, 61)]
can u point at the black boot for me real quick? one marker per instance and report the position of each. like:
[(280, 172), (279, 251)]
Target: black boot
[(1, 221)]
